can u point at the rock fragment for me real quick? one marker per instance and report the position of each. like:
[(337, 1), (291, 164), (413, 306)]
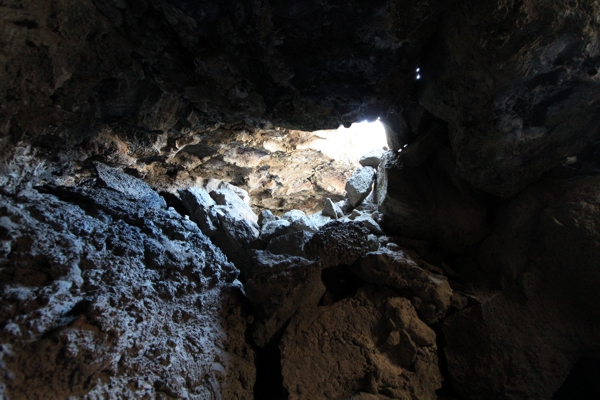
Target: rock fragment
[(371, 159), (332, 210)]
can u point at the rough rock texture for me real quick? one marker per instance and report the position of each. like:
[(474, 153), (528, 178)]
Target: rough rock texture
[(332, 210), (291, 243), (359, 185), (277, 286), (371, 159), (104, 296), (398, 270), (338, 243), (549, 273), (326, 355)]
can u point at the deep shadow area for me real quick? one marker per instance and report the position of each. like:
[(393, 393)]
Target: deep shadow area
[(583, 383)]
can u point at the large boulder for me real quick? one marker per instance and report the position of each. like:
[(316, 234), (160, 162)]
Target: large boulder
[(338, 243), (372, 343), (543, 253), (227, 197), (359, 185), (277, 286), (398, 270), (116, 179)]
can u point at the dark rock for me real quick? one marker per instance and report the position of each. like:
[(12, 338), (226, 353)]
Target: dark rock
[(322, 342), (398, 270), (424, 146), (421, 203), (277, 286), (93, 275), (291, 243), (338, 243)]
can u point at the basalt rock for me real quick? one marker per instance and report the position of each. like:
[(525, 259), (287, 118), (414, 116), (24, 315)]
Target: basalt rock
[(277, 286), (324, 354), (543, 253), (105, 297), (423, 203), (338, 243), (359, 185)]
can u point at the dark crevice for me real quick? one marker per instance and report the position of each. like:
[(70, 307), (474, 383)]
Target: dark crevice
[(583, 383)]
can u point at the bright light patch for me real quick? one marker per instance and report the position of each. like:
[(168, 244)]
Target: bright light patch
[(349, 144)]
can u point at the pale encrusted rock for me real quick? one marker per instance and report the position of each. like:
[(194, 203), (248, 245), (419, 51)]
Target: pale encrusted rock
[(227, 197), (266, 216), (318, 219), (275, 228), (359, 185), (299, 221), (332, 210), (200, 207), (371, 159)]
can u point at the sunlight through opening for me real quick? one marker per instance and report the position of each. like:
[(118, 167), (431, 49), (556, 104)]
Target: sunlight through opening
[(349, 144)]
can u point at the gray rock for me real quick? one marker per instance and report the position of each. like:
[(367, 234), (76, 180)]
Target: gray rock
[(371, 159), (242, 194), (227, 197), (266, 216), (200, 207), (290, 243), (277, 286), (116, 179), (373, 242), (299, 221), (359, 185), (275, 228), (318, 219), (332, 210), (370, 224)]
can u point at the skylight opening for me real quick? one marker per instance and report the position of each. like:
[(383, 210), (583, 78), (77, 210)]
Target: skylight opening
[(349, 144)]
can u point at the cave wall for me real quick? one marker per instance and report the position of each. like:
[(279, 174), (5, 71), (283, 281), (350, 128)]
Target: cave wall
[(497, 184)]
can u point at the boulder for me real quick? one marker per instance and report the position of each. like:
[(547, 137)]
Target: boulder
[(338, 243), (227, 197), (332, 210), (371, 159), (116, 179), (275, 228), (318, 219), (359, 185), (326, 354), (398, 270), (200, 207), (266, 216), (291, 243), (422, 203), (299, 221), (277, 286)]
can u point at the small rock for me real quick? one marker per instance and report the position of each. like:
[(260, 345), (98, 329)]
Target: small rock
[(299, 221), (266, 216), (332, 210)]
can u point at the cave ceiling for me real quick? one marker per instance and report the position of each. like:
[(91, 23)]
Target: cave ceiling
[(134, 82)]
